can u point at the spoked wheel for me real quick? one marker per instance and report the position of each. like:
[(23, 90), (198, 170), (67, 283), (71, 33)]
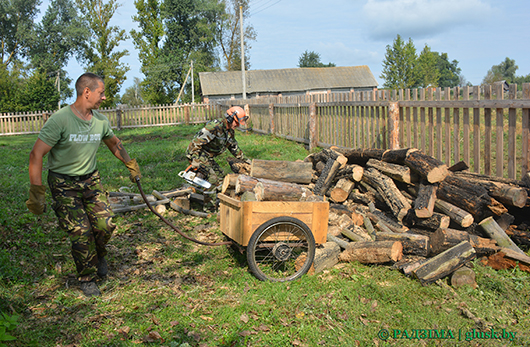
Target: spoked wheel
[(281, 249)]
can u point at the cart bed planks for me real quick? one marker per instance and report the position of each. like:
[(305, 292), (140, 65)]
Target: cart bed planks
[(239, 219)]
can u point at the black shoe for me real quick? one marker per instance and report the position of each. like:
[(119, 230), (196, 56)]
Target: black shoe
[(103, 269), (90, 288)]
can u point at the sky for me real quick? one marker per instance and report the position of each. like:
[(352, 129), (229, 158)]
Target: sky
[(476, 33)]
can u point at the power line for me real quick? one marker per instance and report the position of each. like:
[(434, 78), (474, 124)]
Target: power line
[(264, 8)]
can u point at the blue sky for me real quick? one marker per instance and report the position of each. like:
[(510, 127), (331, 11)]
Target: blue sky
[(477, 33)]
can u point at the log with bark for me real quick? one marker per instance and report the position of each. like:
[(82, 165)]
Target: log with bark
[(178, 208), (508, 194), (469, 197), (520, 237), (412, 243), (437, 220), (229, 184), (269, 190), (361, 155), (429, 168), (341, 190), (397, 172), (397, 156), (328, 174), (386, 187), (374, 252), (425, 200), (351, 171), (284, 171), (494, 231), (443, 239), (445, 263)]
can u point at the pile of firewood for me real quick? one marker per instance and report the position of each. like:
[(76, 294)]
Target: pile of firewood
[(400, 207)]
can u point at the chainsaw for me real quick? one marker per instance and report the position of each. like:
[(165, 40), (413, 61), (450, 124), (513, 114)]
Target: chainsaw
[(191, 176)]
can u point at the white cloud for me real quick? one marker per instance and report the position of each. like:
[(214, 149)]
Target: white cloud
[(384, 19)]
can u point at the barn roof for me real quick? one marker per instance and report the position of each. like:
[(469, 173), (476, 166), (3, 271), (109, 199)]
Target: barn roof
[(287, 80)]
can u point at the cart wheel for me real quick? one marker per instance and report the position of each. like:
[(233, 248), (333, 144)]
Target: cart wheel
[(281, 249)]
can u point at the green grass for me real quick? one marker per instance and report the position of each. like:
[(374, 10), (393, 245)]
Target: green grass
[(163, 290)]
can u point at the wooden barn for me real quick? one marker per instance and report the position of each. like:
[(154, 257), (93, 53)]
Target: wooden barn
[(228, 84)]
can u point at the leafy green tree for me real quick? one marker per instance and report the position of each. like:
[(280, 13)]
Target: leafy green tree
[(191, 32), (59, 36), (148, 41), (312, 59), (38, 93), (427, 70), (399, 66), (504, 71), (230, 34), (133, 94), (16, 28), (449, 72), (100, 54)]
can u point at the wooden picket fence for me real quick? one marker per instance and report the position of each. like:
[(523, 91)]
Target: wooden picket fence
[(484, 126)]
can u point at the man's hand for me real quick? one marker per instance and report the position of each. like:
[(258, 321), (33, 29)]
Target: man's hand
[(134, 169), (37, 199)]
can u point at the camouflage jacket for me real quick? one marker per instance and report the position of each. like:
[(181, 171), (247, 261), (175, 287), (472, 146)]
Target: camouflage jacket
[(213, 140)]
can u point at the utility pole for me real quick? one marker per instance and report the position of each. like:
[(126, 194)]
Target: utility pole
[(243, 79), (192, 87)]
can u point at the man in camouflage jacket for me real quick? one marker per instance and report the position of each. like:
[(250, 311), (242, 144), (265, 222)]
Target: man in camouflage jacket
[(212, 140)]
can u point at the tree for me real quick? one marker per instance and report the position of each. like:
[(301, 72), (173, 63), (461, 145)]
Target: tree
[(148, 41), (449, 72), (16, 29), (190, 36), (229, 32), (312, 59), (59, 36), (428, 73), (100, 52), (399, 65), (133, 94)]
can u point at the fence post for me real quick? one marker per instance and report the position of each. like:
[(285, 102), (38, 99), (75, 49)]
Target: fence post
[(187, 114), (118, 119), (271, 118), (313, 128), (393, 125)]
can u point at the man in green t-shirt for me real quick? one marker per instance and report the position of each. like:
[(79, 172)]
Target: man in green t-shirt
[(71, 138)]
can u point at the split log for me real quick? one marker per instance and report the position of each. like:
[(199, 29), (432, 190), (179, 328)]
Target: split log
[(408, 264), (443, 239), (375, 252), (511, 254), (506, 193), (238, 166), (386, 187), (341, 191), (268, 190), (229, 183), (379, 217), (178, 208), (397, 156), (329, 172), (445, 263), (425, 201), (494, 231), (412, 243), (283, 171), (470, 197), (140, 206), (179, 192), (182, 201), (398, 172), (430, 168)]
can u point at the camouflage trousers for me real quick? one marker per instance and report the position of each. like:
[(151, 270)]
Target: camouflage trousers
[(85, 215)]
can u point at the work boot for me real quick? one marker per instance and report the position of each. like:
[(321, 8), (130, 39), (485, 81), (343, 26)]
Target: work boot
[(103, 269), (90, 288)]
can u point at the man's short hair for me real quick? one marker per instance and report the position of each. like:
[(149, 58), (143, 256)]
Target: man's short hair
[(88, 79)]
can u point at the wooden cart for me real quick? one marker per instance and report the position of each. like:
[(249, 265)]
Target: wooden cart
[(280, 236)]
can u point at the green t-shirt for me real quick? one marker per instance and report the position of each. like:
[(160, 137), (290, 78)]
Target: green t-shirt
[(74, 141)]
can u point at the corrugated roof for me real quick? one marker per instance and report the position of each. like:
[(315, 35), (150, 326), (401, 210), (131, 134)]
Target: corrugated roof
[(287, 80)]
